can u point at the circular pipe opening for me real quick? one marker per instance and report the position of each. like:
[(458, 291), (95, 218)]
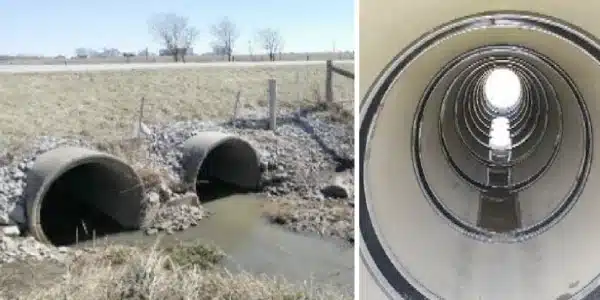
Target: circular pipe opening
[(217, 164), (509, 200), (502, 90), (77, 194)]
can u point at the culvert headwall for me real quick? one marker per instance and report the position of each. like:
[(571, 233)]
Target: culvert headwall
[(75, 193), (225, 157)]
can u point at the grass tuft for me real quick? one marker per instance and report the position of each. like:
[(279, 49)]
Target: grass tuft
[(121, 272)]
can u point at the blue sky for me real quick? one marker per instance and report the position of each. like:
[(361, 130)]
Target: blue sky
[(58, 27)]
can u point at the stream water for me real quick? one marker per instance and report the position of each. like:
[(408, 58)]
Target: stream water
[(255, 246)]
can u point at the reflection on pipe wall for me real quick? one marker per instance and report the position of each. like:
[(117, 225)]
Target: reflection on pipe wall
[(497, 194)]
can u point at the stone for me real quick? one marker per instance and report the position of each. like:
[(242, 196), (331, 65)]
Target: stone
[(305, 146), (11, 230), (18, 174), (336, 189), (279, 177), (17, 214), (5, 219), (153, 198), (151, 231), (165, 192), (149, 214), (183, 226), (189, 198)]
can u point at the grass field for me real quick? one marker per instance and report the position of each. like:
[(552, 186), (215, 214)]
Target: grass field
[(194, 58), (181, 272), (106, 104)]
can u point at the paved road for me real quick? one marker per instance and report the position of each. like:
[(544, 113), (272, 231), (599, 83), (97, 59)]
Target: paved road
[(137, 66)]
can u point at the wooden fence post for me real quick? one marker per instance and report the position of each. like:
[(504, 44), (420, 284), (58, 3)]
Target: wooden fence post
[(141, 118), (272, 104), (328, 82), (297, 85), (235, 106)]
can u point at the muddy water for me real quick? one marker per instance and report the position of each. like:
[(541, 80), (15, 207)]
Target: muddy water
[(255, 246)]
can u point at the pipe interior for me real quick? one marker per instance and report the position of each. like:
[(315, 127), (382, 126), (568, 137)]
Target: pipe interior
[(230, 167), (83, 204), (457, 222)]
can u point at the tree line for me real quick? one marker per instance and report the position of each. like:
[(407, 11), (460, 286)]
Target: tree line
[(177, 35)]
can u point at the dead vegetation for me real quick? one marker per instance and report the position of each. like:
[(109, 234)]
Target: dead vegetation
[(105, 104), (134, 152), (153, 58), (184, 272), (338, 112), (329, 218)]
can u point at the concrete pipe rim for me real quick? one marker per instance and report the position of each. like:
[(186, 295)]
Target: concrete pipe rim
[(373, 252), (33, 211), (225, 138)]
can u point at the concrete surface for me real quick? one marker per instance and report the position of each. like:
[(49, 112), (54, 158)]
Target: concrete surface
[(211, 154), (113, 188), (423, 256), (152, 66)]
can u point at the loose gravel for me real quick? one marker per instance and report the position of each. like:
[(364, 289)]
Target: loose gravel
[(308, 157)]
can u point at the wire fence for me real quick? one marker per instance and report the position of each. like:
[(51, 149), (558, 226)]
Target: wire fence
[(107, 104), (329, 88), (314, 56)]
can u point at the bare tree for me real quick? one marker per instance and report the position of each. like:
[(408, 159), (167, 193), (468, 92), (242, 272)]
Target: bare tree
[(270, 40), (225, 33), (81, 52), (144, 52), (219, 50), (250, 50), (174, 32)]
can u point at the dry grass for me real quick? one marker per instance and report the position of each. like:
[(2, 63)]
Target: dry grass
[(106, 104), (132, 150), (328, 218), (336, 112), (133, 273), (194, 58)]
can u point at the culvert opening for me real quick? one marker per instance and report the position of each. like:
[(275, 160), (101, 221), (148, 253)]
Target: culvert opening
[(491, 201), (87, 195), (220, 165), (69, 213)]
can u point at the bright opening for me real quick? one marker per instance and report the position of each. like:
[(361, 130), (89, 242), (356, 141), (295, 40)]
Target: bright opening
[(500, 134), (502, 89), (500, 122)]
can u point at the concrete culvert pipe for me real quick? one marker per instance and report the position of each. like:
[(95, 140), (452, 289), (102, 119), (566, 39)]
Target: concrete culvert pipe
[(75, 194), (465, 198), (220, 157)]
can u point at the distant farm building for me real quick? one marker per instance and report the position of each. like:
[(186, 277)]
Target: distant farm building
[(169, 52)]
